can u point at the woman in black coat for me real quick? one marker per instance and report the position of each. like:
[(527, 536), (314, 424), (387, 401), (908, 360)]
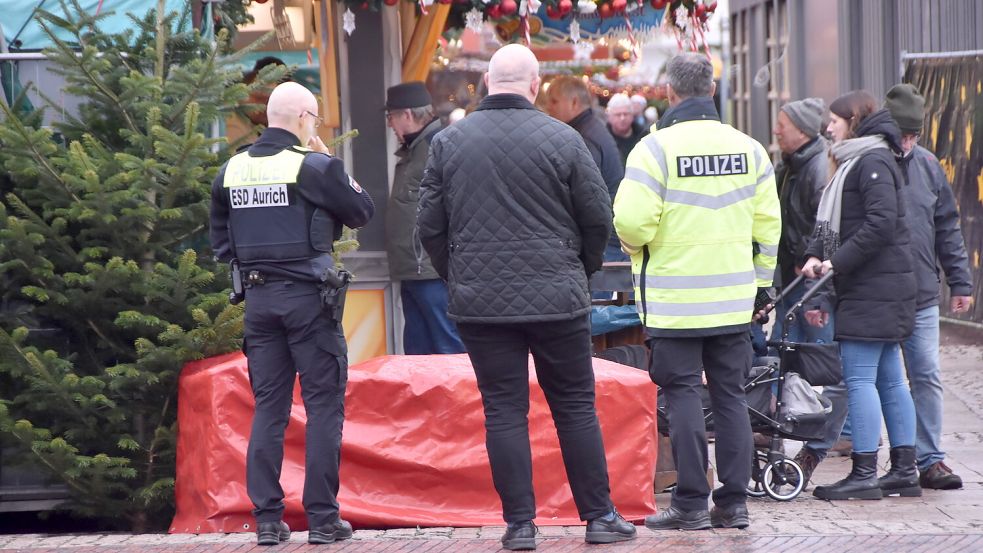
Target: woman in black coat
[(861, 235)]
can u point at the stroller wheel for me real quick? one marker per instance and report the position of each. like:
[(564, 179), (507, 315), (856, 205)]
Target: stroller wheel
[(756, 487), (782, 479)]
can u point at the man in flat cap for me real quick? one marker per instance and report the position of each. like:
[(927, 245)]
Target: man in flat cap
[(936, 240), (426, 329)]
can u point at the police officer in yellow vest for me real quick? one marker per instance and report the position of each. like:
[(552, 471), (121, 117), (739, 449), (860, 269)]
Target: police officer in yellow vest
[(277, 208), (696, 196)]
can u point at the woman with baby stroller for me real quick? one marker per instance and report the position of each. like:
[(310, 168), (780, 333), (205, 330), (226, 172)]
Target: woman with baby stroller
[(861, 235)]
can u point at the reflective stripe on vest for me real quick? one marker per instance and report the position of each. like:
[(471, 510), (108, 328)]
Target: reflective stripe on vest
[(695, 197)]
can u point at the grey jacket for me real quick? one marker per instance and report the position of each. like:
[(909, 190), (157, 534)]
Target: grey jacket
[(934, 223), (407, 258), (514, 214)]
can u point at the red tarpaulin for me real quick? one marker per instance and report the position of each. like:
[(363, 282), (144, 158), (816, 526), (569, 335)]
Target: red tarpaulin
[(413, 451)]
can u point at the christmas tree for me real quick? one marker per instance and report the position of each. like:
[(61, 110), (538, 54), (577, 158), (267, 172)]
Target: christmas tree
[(103, 227)]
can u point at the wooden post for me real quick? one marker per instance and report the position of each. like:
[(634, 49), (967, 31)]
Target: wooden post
[(324, 32)]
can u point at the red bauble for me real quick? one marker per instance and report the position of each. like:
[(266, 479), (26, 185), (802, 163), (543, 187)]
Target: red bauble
[(712, 6), (494, 12), (553, 12), (390, 2), (260, 1), (604, 10), (619, 5), (365, 5), (509, 7), (700, 11), (660, 4), (566, 6)]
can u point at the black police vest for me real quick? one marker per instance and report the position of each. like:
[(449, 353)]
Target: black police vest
[(269, 220)]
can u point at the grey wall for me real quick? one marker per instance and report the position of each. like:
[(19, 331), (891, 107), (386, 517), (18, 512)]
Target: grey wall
[(875, 32), (840, 45)]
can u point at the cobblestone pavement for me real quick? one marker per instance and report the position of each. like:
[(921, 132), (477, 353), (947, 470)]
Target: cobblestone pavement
[(939, 521)]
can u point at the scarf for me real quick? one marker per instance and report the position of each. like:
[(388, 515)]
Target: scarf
[(844, 155)]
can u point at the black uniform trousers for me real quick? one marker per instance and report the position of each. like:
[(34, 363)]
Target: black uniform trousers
[(676, 366), (287, 333), (561, 351)]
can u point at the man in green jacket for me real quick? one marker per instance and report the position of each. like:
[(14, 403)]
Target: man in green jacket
[(426, 330)]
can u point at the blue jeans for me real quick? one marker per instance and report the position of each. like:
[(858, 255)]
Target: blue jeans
[(921, 355), (875, 384), (427, 329)]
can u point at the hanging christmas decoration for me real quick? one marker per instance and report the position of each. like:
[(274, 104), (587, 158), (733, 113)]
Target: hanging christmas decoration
[(687, 20), (474, 20), (574, 31), (348, 21)]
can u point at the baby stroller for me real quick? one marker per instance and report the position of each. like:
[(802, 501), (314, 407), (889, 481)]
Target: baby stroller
[(781, 402)]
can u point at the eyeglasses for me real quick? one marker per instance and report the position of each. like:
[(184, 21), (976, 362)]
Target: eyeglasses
[(391, 114), (318, 120)]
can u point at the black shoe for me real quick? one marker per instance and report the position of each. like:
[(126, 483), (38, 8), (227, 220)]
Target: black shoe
[(940, 477), (519, 536), (675, 519), (735, 516), (330, 532), (861, 483), (902, 478), (272, 533), (613, 530)]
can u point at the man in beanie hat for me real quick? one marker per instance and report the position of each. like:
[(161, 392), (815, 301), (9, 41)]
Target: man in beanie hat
[(801, 176), (935, 240), (426, 328)]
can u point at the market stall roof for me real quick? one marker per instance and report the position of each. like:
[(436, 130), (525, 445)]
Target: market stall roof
[(18, 21)]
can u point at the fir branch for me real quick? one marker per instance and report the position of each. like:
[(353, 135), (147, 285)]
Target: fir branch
[(39, 157), (78, 62)]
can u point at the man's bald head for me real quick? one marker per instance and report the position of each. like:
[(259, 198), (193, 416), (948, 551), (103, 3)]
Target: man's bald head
[(513, 69), (287, 105)]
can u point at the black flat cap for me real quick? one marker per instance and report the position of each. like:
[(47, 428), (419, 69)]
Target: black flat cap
[(408, 95)]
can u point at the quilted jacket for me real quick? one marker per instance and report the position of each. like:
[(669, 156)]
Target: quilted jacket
[(514, 214)]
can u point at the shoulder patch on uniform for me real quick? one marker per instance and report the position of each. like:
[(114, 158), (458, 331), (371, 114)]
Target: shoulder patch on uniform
[(354, 184)]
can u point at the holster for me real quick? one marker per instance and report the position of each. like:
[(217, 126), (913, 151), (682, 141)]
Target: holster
[(238, 292), (334, 290)]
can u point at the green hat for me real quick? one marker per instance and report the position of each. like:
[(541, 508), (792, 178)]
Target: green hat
[(907, 107)]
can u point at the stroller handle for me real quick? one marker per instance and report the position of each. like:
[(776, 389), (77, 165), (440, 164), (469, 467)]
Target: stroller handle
[(786, 290)]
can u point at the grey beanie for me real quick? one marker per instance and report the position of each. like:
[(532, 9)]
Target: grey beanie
[(807, 115)]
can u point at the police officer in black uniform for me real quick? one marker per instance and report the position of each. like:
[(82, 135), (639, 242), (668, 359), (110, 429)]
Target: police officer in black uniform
[(276, 210)]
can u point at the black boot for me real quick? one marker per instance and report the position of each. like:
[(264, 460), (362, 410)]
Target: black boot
[(861, 483), (903, 476)]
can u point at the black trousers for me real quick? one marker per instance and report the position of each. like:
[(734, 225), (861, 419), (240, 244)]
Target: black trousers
[(287, 333), (676, 367), (561, 351)]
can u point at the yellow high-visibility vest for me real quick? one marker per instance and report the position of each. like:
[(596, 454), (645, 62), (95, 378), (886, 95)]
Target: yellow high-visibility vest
[(696, 196), (280, 168)]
